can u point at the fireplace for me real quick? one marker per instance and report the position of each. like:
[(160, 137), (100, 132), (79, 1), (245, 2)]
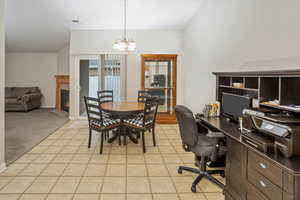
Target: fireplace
[(64, 100), (62, 83)]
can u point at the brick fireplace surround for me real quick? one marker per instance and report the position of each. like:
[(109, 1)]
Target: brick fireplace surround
[(62, 82)]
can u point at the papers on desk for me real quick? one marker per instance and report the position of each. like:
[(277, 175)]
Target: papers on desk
[(275, 104), (295, 108)]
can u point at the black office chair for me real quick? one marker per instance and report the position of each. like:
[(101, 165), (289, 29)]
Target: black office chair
[(97, 121), (205, 146)]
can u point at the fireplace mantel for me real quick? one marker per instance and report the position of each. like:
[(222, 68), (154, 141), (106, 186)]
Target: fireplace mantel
[(61, 80)]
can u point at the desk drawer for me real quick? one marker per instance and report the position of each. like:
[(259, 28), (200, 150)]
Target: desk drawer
[(264, 185), (268, 169), (253, 194)]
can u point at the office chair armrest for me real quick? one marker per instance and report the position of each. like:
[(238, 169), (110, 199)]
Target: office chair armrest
[(215, 135)]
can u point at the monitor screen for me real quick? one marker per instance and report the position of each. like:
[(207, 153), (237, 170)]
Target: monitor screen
[(233, 105)]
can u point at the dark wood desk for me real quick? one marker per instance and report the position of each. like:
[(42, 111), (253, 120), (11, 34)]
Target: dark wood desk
[(253, 175)]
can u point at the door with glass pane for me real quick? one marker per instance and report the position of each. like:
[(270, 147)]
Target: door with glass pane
[(100, 72), (89, 81), (159, 78)]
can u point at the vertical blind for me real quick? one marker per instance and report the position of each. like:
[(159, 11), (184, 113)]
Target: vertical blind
[(113, 74)]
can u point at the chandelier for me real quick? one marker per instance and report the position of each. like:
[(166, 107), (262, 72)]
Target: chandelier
[(125, 44)]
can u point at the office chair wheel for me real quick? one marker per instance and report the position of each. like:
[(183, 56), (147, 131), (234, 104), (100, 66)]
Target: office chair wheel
[(193, 189), (179, 171)]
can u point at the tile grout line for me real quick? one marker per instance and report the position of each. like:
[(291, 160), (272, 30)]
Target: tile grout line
[(105, 170), (58, 177), (170, 176), (81, 177), (34, 178)]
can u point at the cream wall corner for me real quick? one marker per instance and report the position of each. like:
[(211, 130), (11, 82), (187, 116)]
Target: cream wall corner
[(63, 61), (2, 85), (33, 69), (238, 35)]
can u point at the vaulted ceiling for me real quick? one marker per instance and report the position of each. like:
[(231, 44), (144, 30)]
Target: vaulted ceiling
[(44, 25)]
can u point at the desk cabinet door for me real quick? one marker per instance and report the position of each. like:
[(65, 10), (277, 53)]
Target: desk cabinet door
[(236, 162)]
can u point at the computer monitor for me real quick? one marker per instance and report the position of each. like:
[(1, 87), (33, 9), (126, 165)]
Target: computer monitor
[(233, 105)]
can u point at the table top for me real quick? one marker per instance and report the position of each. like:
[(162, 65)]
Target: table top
[(123, 106)]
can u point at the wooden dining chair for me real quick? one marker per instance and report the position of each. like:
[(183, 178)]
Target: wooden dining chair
[(142, 95), (97, 121), (146, 122), (105, 96)]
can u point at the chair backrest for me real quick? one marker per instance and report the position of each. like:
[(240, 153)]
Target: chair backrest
[(105, 96), (150, 111), (143, 95), (187, 126), (93, 109)]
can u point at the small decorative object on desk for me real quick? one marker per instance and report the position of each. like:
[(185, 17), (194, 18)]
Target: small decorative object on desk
[(211, 110), (238, 85), (255, 103), (241, 124), (206, 110)]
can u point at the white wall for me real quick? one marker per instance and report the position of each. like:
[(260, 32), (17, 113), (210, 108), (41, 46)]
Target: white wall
[(33, 69), (148, 41), (63, 64), (2, 84), (238, 35)]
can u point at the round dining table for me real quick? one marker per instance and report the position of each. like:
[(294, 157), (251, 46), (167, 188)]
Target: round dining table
[(122, 110)]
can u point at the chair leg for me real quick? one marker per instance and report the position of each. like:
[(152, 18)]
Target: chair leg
[(188, 169), (90, 138), (196, 181), (120, 143), (153, 136), (138, 135), (107, 135), (101, 144), (143, 141), (125, 135)]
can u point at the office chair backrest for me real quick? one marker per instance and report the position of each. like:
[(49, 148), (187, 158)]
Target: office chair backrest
[(187, 126), (105, 96)]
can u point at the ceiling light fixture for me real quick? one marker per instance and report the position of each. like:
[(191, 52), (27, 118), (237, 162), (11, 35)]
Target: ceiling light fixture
[(125, 44)]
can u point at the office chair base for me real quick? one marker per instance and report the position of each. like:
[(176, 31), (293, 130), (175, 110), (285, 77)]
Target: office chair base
[(207, 174)]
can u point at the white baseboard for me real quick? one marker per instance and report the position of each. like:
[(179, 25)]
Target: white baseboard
[(2, 167), (47, 106), (71, 118)]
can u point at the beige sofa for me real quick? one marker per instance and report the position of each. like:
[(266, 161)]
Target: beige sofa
[(22, 98)]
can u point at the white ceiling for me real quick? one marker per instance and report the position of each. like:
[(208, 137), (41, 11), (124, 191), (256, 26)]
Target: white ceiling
[(44, 25)]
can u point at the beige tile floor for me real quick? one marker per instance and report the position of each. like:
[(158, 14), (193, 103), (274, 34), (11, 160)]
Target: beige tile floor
[(63, 168)]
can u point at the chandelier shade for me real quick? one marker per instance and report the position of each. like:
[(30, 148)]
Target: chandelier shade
[(125, 44)]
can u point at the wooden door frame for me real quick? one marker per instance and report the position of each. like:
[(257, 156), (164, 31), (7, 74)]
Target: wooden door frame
[(163, 118)]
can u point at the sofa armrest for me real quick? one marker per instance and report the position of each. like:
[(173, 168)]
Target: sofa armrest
[(32, 96)]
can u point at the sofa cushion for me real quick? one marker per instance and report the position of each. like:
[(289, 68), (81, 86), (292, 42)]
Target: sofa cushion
[(33, 89), (21, 91), (12, 101)]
